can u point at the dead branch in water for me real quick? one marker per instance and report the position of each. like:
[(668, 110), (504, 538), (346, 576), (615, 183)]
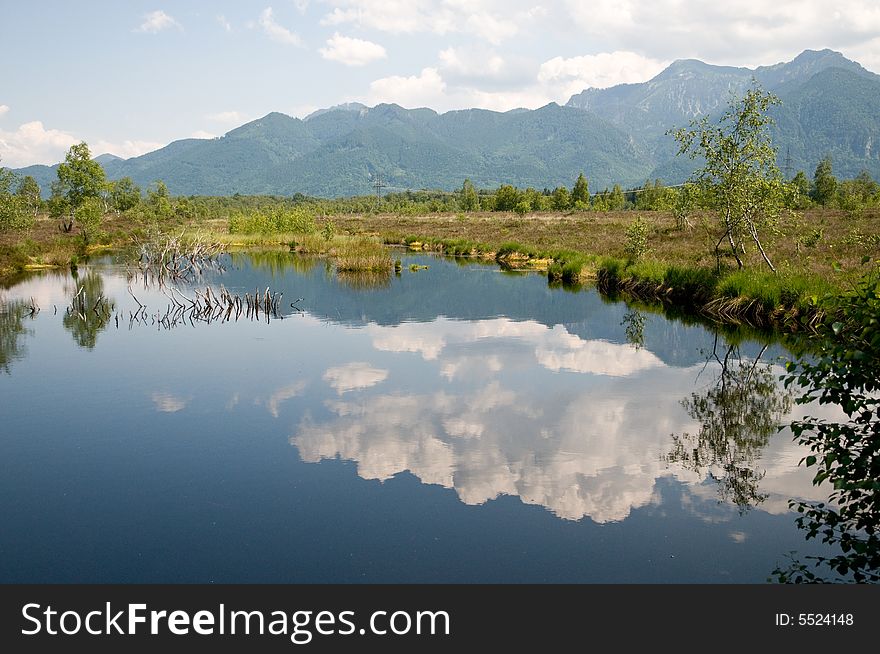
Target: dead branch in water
[(164, 258), (208, 306)]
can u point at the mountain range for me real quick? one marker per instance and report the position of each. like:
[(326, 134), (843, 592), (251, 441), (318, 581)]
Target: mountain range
[(830, 106)]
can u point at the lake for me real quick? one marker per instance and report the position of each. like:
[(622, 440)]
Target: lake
[(456, 423)]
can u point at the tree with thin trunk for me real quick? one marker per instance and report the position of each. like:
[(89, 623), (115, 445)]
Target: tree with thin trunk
[(740, 170)]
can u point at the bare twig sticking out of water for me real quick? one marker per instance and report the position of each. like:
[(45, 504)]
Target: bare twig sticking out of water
[(208, 306), (102, 308), (165, 257), (33, 308)]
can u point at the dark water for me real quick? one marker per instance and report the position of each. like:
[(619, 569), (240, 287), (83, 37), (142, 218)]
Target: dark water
[(455, 424)]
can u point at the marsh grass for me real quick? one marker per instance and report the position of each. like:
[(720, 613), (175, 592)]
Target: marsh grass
[(348, 253)]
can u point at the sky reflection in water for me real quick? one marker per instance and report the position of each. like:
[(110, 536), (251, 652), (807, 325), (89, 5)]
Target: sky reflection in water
[(137, 453)]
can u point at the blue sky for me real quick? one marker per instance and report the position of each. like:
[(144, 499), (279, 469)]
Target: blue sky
[(129, 77)]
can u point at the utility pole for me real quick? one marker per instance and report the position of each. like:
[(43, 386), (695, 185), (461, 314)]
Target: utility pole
[(786, 167), (379, 185)]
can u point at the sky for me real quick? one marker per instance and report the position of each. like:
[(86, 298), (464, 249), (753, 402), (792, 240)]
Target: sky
[(131, 77)]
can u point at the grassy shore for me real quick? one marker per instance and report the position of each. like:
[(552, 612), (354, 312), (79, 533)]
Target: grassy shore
[(817, 252)]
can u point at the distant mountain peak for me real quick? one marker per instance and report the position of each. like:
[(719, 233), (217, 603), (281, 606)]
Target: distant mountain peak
[(106, 158), (345, 106)]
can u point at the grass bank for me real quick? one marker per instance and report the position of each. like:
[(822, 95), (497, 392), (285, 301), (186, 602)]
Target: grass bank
[(817, 253)]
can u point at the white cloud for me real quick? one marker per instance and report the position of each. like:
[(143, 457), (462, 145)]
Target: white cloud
[(737, 32), (469, 63), (156, 21), (227, 117), (493, 29), (32, 143), (352, 52), (479, 76), (124, 149), (3, 109), (301, 5), (601, 70), (225, 24), (425, 89), (492, 20), (282, 395), (168, 403), (354, 376), (583, 451), (202, 134), (277, 32)]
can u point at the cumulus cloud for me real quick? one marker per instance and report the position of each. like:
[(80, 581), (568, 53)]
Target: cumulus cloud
[(423, 90), (491, 20), (601, 70), (275, 31), (554, 348), (32, 143), (225, 24), (480, 76), (739, 32), (624, 41), (157, 21), (3, 109), (582, 454), (352, 52), (354, 376)]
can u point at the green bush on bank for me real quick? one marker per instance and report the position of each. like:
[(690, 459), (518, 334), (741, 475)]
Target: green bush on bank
[(279, 220)]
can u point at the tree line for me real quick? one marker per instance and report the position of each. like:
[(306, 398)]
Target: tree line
[(82, 195)]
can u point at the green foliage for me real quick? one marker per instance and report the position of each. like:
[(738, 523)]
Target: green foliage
[(686, 201), (522, 207), (468, 200), (124, 194), (637, 239), (89, 215), (561, 198), (507, 198), (656, 197), (616, 201), (801, 191), (740, 168), (29, 194), (328, 231), (159, 201), (14, 213), (824, 182), (79, 176), (581, 190), (856, 195), (845, 453), (279, 220)]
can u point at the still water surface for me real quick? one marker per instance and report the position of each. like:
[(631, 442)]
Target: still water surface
[(454, 424)]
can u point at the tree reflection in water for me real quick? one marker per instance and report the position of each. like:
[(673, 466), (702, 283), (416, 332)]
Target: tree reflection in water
[(845, 452), (12, 331), (738, 413), (89, 312)]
